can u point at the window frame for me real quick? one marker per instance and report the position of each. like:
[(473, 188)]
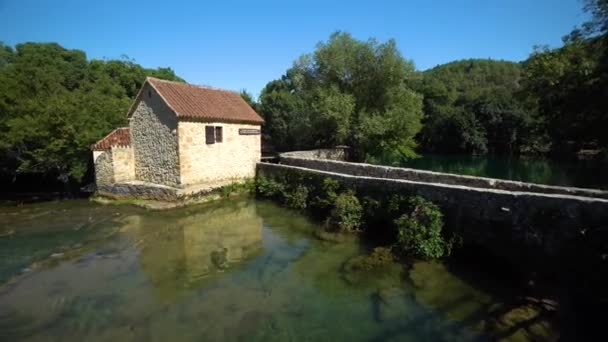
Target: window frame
[(219, 138), (212, 136)]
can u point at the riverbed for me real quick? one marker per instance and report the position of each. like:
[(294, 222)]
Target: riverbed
[(230, 271)]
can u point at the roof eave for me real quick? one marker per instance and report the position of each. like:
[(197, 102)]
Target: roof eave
[(212, 119), (140, 94)]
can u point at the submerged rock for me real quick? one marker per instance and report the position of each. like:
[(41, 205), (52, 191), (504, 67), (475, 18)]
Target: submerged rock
[(7, 233), (324, 235), (220, 258), (379, 266), (389, 304), (522, 323), (379, 258), (437, 288)]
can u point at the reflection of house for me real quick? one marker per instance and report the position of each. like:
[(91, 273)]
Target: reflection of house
[(181, 135), (177, 252)]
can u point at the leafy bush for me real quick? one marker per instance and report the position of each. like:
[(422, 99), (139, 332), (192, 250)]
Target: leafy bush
[(323, 196), (227, 190), (347, 213), (248, 186), (297, 197), (269, 187), (289, 192), (419, 230)]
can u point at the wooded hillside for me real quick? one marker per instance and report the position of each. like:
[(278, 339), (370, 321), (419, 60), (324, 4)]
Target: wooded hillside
[(54, 103)]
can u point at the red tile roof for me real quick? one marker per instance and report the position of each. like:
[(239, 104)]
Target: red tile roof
[(118, 137), (199, 102)]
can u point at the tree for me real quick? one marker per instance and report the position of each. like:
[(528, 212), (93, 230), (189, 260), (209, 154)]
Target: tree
[(473, 106), (562, 84), (248, 98), (569, 85), (346, 92), (280, 107), (54, 103), (599, 17)]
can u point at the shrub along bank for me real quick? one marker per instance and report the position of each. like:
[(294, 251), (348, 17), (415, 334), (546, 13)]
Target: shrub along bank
[(412, 225)]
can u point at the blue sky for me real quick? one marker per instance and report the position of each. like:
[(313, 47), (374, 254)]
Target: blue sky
[(244, 44)]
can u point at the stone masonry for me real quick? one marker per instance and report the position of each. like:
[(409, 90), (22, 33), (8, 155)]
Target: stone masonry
[(104, 168), (154, 140), (332, 162), (524, 227), (123, 164), (232, 159), (183, 141), (114, 165)]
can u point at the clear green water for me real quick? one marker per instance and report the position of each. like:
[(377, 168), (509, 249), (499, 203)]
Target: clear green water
[(230, 271), (582, 173)]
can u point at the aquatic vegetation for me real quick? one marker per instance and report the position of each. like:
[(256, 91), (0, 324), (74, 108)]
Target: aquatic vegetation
[(377, 259), (346, 214), (246, 186), (375, 270), (296, 197), (323, 200), (269, 187), (419, 230), (413, 224)]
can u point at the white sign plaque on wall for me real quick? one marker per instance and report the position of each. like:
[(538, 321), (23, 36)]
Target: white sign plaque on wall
[(249, 131)]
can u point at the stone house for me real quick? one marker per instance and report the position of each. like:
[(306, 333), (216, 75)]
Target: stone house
[(179, 136)]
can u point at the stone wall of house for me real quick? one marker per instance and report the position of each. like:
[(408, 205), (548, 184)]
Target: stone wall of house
[(138, 190), (154, 140), (96, 154), (123, 164), (104, 168), (526, 228), (318, 161), (233, 158)]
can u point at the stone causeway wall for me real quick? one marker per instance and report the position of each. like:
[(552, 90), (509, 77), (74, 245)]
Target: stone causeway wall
[(320, 154), (319, 161), (523, 227)]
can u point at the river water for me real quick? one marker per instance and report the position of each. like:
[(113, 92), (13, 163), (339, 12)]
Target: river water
[(577, 173), (235, 270)]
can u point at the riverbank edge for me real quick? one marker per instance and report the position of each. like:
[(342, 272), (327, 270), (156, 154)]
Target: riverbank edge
[(228, 190)]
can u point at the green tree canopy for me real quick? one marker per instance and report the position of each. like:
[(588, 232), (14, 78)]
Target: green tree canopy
[(346, 92), (472, 106), (54, 103)]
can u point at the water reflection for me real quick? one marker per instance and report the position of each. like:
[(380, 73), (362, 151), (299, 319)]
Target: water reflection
[(245, 270), (582, 173), (184, 249)]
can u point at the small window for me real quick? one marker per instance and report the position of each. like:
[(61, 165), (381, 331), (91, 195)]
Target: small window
[(214, 134), (210, 134), (218, 134), (149, 94)]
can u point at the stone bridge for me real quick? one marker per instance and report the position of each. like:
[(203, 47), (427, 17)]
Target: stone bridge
[(525, 222)]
